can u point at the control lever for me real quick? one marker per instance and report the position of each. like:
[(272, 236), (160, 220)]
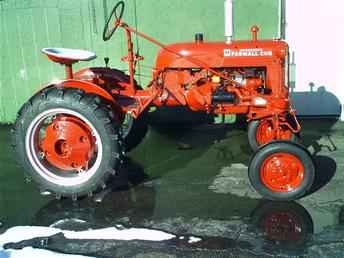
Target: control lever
[(106, 60)]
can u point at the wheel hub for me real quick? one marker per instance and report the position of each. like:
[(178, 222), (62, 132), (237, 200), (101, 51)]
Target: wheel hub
[(282, 172), (266, 133), (68, 144)]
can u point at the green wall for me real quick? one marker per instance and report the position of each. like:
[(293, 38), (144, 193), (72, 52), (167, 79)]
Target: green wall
[(263, 13), (27, 26)]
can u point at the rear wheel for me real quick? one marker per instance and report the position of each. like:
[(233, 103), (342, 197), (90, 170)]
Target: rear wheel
[(67, 142), (281, 171), (261, 132)]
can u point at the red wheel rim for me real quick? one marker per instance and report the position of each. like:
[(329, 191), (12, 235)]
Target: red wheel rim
[(282, 226), (282, 172), (265, 133), (68, 143)]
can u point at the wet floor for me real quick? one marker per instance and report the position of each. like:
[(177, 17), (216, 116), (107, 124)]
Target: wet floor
[(191, 182)]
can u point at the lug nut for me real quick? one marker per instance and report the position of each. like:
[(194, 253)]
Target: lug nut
[(41, 155), (83, 139)]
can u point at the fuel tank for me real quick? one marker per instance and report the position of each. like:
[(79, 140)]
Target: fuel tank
[(221, 54)]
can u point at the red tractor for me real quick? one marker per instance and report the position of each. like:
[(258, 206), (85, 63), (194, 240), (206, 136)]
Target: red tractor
[(71, 135)]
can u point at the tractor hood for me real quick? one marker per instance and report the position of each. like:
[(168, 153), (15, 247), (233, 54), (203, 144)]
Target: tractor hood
[(221, 54)]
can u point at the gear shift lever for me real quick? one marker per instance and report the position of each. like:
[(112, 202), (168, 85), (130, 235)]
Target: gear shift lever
[(106, 60)]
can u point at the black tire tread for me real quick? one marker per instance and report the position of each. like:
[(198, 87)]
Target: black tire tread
[(75, 98), (281, 146)]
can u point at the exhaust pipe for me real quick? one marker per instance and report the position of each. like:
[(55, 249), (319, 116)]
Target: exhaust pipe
[(228, 20)]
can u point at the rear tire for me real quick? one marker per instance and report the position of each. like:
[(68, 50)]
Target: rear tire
[(282, 171), (89, 113)]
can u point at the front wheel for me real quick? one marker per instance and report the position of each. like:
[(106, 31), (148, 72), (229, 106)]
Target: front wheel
[(282, 171), (67, 142), (261, 132)]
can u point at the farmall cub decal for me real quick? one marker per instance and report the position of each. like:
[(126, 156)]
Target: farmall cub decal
[(246, 52)]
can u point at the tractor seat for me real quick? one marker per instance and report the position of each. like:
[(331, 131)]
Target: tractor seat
[(68, 56)]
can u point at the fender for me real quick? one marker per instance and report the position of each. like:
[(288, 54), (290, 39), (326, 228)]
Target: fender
[(97, 80), (88, 87), (104, 76)]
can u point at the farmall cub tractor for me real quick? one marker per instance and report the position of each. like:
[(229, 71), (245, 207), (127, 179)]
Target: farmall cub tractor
[(70, 137)]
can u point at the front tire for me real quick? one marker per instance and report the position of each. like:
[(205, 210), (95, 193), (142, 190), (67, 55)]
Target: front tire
[(282, 171), (67, 141), (260, 132)]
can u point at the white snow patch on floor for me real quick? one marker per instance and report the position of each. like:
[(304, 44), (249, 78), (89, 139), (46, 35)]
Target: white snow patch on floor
[(30, 252), (124, 234), (62, 221), (194, 240), (20, 233)]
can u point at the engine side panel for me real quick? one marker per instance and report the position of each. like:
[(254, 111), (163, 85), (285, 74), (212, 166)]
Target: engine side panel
[(220, 54)]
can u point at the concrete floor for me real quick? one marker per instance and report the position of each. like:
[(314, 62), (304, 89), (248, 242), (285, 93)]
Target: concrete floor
[(193, 182)]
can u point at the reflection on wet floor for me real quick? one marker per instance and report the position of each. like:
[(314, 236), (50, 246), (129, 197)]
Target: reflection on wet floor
[(261, 228), (192, 183)]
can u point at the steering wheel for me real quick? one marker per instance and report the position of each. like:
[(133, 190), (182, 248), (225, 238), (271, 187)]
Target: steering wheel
[(114, 20)]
